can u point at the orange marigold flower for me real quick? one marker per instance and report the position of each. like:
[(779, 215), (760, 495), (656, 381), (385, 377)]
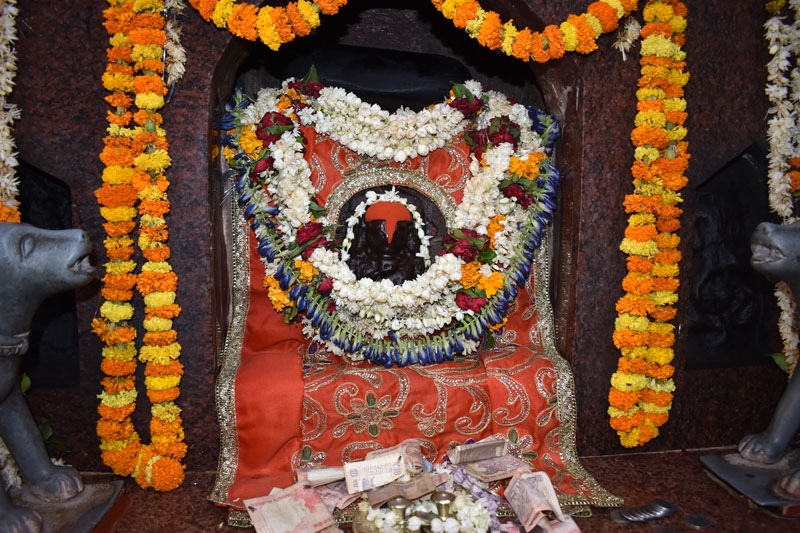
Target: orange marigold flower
[(656, 28), (157, 208), (176, 450), (622, 400), (794, 161), (666, 284), (625, 423), (555, 41), (204, 7), (162, 427), (522, 48), (676, 117), (672, 91), (115, 195), (640, 171), (148, 282), (668, 224), (637, 285), (664, 314), (629, 5), (113, 429), (661, 340), (639, 264), (661, 399), (634, 305), (160, 338), (795, 177), (166, 395), (147, 36), (629, 339), (120, 281), (113, 385), (122, 462), (121, 120), (646, 135), (118, 19), (606, 14), (330, 7), (538, 52), (163, 311), (152, 65), (242, 21), (668, 256), (586, 36), (658, 419), (174, 368), (115, 413), (110, 367), (667, 240), (141, 117), (118, 68), (668, 211), (116, 295), (119, 100), (300, 27), (679, 39), (465, 13), (282, 24), (158, 253), (490, 34), (641, 233)]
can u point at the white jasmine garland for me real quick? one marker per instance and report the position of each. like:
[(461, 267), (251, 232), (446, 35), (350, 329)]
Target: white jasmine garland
[(8, 112)]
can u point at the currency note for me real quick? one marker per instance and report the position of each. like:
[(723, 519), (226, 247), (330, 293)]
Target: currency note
[(530, 494), (297, 509), (496, 468), (334, 495), (477, 451), (567, 526), (371, 473), (320, 475), (412, 453), (411, 490)]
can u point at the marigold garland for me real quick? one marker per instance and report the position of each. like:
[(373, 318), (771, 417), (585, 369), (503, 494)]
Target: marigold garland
[(135, 159), (642, 386)]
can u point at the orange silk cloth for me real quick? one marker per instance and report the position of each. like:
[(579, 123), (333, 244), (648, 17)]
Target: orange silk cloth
[(298, 408)]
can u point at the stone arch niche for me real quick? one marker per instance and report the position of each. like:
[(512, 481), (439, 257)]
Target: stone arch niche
[(393, 27)]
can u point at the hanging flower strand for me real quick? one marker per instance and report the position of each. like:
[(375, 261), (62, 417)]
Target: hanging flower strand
[(783, 159), (9, 211), (136, 159), (641, 394)]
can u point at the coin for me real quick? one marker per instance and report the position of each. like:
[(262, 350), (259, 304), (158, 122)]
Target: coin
[(698, 521)]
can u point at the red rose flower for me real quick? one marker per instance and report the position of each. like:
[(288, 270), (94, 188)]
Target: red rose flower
[(272, 126), (468, 303), (313, 246), (308, 232), (515, 190), (467, 106), (263, 164), (310, 88), (326, 286)]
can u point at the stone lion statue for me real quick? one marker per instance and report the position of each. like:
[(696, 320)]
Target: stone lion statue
[(776, 255), (34, 264)]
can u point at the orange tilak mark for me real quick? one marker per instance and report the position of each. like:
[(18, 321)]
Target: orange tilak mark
[(391, 212)]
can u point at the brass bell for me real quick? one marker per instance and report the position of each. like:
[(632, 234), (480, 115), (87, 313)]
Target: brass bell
[(443, 500)]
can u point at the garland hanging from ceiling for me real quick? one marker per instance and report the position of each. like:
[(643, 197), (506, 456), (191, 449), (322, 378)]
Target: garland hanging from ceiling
[(641, 394), (9, 211), (135, 158)]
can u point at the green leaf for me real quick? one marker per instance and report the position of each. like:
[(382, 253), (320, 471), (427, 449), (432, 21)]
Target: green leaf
[(371, 401), (149, 126), (461, 91), (780, 360), (45, 429), (311, 75), (317, 210), (289, 314), (490, 341), (24, 383), (486, 256)]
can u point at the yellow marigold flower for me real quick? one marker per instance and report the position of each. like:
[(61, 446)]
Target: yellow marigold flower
[(118, 82), (120, 399), (509, 35), (161, 382), (594, 22), (222, 11), (473, 27), (120, 352), (660, 46), (149, 101), (654, 119), (662, 12), (641, 219), (309, 12), (140, 6), (662, 298), (120, 267), (144, 241), (119, 39), (161, 267), (159, 299), (307, 270), (166, 411), (449, 7), (613, 412), (161, 355), (118, 214), (117, 175), (665, 271), (278, 297), (229, 153), (677, 133), (678, 77), (251, 144), (643, 152), (112, 243), (628, 382), (662, 328), (152, 221), (157, 162), (116, 311), (490, 285), (659, 356), (631, 322), (266, 29), (674, 104), (118, 445), (645, 249), (629, 439), (470, 275), (115, 130), (495, 225), (648, 93), (157, 323), (666, 385), (653, 408), (773, 6), (146, 51), (570, 36), (499, 326), (616, 4)]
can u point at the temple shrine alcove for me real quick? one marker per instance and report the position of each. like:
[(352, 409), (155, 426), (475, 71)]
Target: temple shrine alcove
[(365, 55)]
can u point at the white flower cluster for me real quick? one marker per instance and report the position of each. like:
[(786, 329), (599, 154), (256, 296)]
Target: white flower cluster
[(291, 186), (8, 112), (416, 307), (9, 475), (482, 198), (370, 130), (389, 196), (468, 516)]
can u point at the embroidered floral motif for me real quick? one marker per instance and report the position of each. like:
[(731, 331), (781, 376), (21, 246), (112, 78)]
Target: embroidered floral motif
[(520, 446), (305, 457), (371, 415)]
